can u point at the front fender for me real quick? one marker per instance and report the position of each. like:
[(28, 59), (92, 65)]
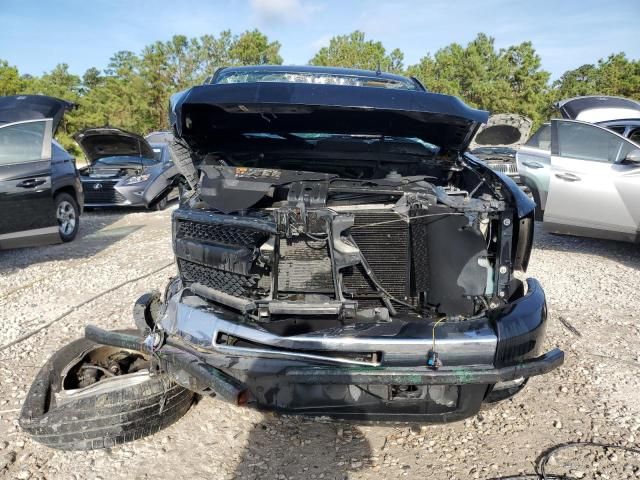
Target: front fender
[(524, 206), (158, 185)]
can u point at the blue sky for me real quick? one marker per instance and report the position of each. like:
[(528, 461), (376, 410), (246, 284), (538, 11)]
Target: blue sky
[(37, 35)]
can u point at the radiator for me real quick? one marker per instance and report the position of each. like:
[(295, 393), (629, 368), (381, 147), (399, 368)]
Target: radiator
[(383, 237), (304, 267)]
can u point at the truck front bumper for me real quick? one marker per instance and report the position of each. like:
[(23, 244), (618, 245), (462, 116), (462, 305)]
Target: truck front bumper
[(372, 372)]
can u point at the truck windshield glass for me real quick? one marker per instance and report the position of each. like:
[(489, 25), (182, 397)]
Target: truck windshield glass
[(318, 78), (317, 138)]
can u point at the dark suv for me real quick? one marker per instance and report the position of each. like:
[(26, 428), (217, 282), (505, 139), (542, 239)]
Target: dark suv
[(40, 191)]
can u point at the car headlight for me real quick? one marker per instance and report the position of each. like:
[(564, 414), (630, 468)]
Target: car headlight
[(137, 179)]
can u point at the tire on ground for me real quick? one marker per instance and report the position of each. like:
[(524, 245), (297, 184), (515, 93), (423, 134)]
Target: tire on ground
[(104, 419), (60, 197), (161, 203)]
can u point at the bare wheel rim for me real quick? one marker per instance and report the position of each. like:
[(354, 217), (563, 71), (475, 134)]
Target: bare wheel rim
[(101, 369), (66, 216)]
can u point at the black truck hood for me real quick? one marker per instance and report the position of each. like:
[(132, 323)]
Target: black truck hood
[(209, 114), (97, 143), (19, 108), (598, 108)]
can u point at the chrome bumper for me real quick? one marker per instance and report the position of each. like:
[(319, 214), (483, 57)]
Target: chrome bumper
[(398, 342)]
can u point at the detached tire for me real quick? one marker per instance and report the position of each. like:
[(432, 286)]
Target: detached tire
[(100, 418)]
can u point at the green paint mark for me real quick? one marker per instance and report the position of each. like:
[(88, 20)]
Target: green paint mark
[(464, 375)]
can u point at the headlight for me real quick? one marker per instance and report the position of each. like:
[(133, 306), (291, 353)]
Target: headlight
[(137, 179)]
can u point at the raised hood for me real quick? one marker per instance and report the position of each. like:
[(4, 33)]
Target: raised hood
[(19, 108), (97, 143), (595, 108), (208, 115), (503, 130)]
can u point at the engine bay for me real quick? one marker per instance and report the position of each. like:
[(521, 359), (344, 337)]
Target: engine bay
[(98, 171), (275, 244)]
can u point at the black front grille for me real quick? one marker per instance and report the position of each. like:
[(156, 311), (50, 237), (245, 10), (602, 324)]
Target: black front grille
[(217, 274), (216, 233), (104, 193), (227, 282), (383, 239)]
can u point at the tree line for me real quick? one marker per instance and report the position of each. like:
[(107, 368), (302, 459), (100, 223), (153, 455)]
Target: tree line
[(133, 91)]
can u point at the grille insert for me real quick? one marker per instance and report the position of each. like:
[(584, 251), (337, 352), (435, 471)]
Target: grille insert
[(227, 282), (105, 194), (511, 168), (215, 233)]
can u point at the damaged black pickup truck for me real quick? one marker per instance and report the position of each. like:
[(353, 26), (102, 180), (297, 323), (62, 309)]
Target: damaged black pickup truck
[(339, 255)]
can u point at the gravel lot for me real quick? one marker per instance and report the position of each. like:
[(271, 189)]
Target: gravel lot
[(592, 285)]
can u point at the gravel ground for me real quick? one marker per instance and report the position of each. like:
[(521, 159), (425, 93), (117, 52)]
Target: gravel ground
[(591, 285)]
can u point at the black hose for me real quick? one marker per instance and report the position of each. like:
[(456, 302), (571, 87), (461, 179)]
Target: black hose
[(544, 458)]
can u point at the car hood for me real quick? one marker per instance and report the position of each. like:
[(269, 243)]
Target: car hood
[(598, 108), (19, 108), (97, 143), (503, 130), (207, 115)]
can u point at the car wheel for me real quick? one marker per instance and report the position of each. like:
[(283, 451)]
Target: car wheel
[(160, 204), (68, 216), (90, 396)]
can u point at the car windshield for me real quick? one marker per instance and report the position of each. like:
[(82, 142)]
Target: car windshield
[(314, 77)]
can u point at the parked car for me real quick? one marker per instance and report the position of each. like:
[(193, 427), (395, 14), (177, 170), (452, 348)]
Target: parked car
[(589, 182), (124, 169), (545, 164), (339, 255), (41, 197), (498, 140), (533, 160)]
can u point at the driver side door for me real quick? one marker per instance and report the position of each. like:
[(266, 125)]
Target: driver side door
[(592, 190), (27, 215)]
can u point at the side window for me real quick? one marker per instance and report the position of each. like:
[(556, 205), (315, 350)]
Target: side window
[(587, 142), (22, 142), (541, 139), (634, 135), (618, 129)]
